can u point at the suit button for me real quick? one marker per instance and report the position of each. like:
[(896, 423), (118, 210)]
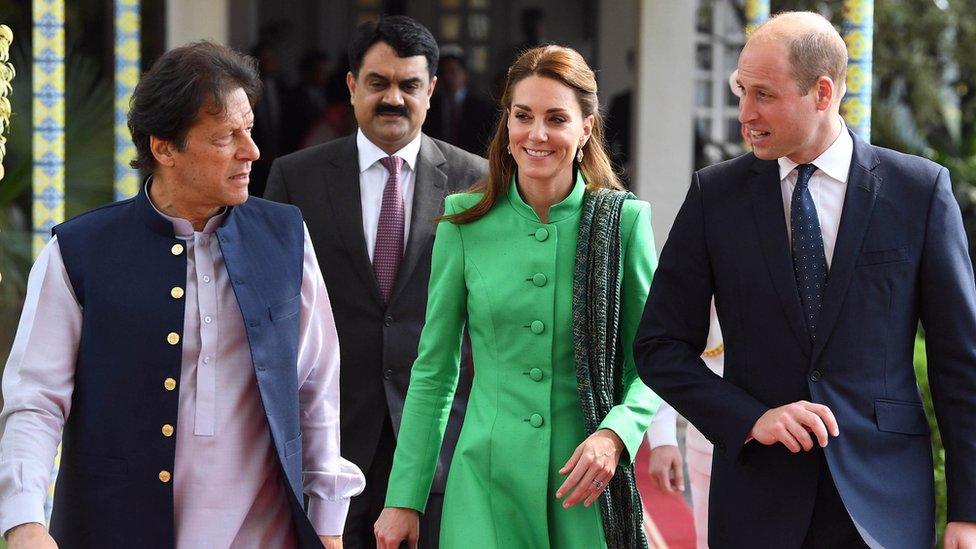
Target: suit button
[(535, 374), (537, 327), (173, 338), (815, 375), (169, 383), (536, 421), (541, 234), (164, 476), (539, 279), (176, 292), (177, 249), (387, 374), (387, 320), (167, 430)]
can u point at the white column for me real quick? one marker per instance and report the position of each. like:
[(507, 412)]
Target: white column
[(664, 109), (189, 20)]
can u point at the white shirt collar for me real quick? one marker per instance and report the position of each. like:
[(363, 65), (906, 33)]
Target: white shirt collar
[(835, 161), (370, 154)]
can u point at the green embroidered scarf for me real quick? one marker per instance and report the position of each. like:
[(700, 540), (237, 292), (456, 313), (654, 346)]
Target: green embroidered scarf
[(598, 352)]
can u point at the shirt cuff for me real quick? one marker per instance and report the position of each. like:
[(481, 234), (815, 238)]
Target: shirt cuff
[(328, 517), (661, 437), (20, 509)]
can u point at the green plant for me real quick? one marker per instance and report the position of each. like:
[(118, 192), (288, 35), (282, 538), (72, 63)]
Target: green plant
[(89, 170), (938, 451)]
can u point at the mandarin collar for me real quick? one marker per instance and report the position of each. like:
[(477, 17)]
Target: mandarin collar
[(557, 212)]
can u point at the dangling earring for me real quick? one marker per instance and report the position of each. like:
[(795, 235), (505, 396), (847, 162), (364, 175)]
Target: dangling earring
[(509, 149), (579, 154)]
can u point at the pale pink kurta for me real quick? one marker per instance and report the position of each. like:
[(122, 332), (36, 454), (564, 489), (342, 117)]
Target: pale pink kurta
[(227, 488)]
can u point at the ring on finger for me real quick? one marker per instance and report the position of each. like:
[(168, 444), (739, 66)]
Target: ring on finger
[(598, 484)]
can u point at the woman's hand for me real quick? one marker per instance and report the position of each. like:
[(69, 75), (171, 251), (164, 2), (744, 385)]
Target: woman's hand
[(397, 524), (590, 468)]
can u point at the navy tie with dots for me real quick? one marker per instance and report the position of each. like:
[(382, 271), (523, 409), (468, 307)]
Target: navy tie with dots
[(809, 260)]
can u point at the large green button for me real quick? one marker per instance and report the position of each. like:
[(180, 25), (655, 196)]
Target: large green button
[(535, 374), (541, 234), (539, 279), (537, 327), (535, 420)]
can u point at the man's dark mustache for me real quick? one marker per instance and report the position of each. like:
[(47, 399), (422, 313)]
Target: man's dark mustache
[(384, 108)]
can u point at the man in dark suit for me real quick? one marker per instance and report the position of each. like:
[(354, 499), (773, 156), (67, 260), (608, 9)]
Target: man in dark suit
[(459, 115), (370, 201), (824, 253)]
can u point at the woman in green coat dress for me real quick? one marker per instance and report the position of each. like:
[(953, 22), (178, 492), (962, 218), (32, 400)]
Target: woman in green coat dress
[(541, 441)]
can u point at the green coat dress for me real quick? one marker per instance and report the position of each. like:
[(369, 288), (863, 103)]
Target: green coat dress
[(508, 277)]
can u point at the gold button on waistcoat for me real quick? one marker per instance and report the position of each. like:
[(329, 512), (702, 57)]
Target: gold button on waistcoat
[(173, 338), (167, 430), (177, 249), (169, 383), (164, 476), (176, 292)]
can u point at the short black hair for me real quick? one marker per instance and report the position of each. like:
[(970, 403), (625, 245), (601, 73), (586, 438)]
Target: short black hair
[(406, 36), (168, 97)]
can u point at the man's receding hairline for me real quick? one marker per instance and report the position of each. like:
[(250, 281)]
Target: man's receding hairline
[(788, 26)]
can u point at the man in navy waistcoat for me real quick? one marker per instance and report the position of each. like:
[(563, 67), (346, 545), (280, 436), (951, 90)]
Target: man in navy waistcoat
[(180, 346)]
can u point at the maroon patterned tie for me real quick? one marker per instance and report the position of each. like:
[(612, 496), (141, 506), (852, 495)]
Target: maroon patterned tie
[(389, 231)]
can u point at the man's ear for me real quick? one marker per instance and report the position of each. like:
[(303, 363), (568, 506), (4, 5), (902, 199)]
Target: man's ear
[(827, 91), (163, 151), (351, 84)]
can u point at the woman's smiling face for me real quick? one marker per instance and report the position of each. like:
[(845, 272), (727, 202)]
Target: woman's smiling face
[(545, 128)]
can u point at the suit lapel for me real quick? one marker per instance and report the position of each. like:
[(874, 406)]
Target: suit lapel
[(341, 177), (428, 198), (862, 190), (771, 223)]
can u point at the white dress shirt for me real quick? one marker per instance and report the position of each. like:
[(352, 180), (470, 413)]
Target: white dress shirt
[(227, 486), (828, 186), (372, 181)]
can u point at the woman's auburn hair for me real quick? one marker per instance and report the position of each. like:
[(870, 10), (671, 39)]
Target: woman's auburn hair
[(566, 66)]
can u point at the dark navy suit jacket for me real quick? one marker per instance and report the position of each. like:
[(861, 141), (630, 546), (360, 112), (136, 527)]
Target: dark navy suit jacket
[(901, 258)]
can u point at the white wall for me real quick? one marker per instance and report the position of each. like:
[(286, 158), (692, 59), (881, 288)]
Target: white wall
[(189, 20), (664, 144)]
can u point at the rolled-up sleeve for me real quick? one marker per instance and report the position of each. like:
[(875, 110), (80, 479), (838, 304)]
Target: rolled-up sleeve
[(329, 481)]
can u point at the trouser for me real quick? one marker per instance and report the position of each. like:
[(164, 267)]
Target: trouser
[(831, 526), (366, 507)]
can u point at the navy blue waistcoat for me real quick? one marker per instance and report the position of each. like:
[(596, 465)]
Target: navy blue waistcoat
[(123, 260)]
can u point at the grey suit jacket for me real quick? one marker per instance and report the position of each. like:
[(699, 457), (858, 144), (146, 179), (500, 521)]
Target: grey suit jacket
[(377, 344)]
